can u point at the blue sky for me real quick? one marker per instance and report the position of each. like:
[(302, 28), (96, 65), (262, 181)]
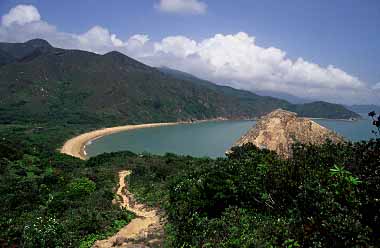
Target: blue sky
[(341, 33)]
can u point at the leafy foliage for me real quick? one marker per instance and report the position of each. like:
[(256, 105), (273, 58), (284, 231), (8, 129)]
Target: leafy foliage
[(54, 200), (81, 186), (375, 122), (324, 196), (43, 232)]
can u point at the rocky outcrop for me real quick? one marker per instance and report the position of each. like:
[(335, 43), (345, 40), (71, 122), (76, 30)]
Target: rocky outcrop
[(280, 129)]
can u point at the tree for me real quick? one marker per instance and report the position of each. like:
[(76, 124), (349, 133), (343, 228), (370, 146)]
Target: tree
[(375, 122)]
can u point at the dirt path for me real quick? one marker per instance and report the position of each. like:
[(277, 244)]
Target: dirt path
[(146, 230)]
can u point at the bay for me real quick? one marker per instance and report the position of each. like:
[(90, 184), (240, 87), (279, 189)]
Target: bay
[(209, 139)]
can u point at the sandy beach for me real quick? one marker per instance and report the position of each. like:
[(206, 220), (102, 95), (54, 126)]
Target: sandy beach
[(76, 146)]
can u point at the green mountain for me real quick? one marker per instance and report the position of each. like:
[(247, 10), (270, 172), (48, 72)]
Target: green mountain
[(6, 58), (310, 109), (40, 83)]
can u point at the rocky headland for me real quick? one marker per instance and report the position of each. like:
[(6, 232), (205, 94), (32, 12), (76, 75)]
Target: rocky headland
[(280, 129)]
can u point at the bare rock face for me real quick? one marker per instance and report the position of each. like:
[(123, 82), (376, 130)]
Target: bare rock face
[(280, 129)]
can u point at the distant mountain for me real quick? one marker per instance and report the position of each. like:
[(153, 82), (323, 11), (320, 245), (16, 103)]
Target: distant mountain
[(288, 97), (40, 83), (280, 95), (305, 108), (364, 109), (325, 109)]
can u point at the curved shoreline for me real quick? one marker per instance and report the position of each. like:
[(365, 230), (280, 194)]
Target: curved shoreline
[(76, 146)]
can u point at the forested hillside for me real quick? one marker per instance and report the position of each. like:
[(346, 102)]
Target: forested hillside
[(40, 83)]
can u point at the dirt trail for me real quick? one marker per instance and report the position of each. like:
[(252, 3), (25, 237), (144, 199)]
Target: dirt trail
[(146, 230)]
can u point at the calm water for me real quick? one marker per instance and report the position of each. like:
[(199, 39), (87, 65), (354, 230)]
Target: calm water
[(203, 139)]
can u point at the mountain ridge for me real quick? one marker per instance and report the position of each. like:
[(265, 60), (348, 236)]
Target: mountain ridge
[(43, 83)]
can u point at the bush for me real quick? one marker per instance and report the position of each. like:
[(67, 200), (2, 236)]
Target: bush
[(80, 187), (43, 232), (56, 200), (325, 196)]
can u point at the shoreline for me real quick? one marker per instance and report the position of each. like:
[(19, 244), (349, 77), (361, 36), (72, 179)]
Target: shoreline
[(330, 119), (76, 146)]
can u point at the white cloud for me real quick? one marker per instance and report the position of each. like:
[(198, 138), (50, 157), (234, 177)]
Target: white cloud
[(235, 60), (21, 14), (98, 39), (140, 38), (182, 6), (376, 86), (179, 46)]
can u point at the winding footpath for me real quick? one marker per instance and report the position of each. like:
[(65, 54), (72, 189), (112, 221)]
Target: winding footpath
[(146, 230)]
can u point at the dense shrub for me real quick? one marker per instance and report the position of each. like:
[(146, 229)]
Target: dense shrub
[(56, 201), (43, 232), (325, 196), (81, 187)]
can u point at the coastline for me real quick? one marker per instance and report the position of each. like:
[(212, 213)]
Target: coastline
[(331, 119), (76, 146)]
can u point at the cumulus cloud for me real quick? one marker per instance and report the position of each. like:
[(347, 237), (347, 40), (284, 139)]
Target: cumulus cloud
[(179, 46), (182, 6), (21, 14), (98, 39), (140, 38), (376, 86), (235, 59)]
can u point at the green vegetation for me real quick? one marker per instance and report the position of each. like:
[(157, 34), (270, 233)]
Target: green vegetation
[(72, 87), (325, 196), (44, 138), (54, 200), (375, 122)]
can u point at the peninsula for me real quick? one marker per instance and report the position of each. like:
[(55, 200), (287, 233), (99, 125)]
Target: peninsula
[(280, 129)]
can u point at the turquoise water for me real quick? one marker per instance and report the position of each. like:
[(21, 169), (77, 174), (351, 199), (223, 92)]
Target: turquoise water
[(353, 130), (210, 139)]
